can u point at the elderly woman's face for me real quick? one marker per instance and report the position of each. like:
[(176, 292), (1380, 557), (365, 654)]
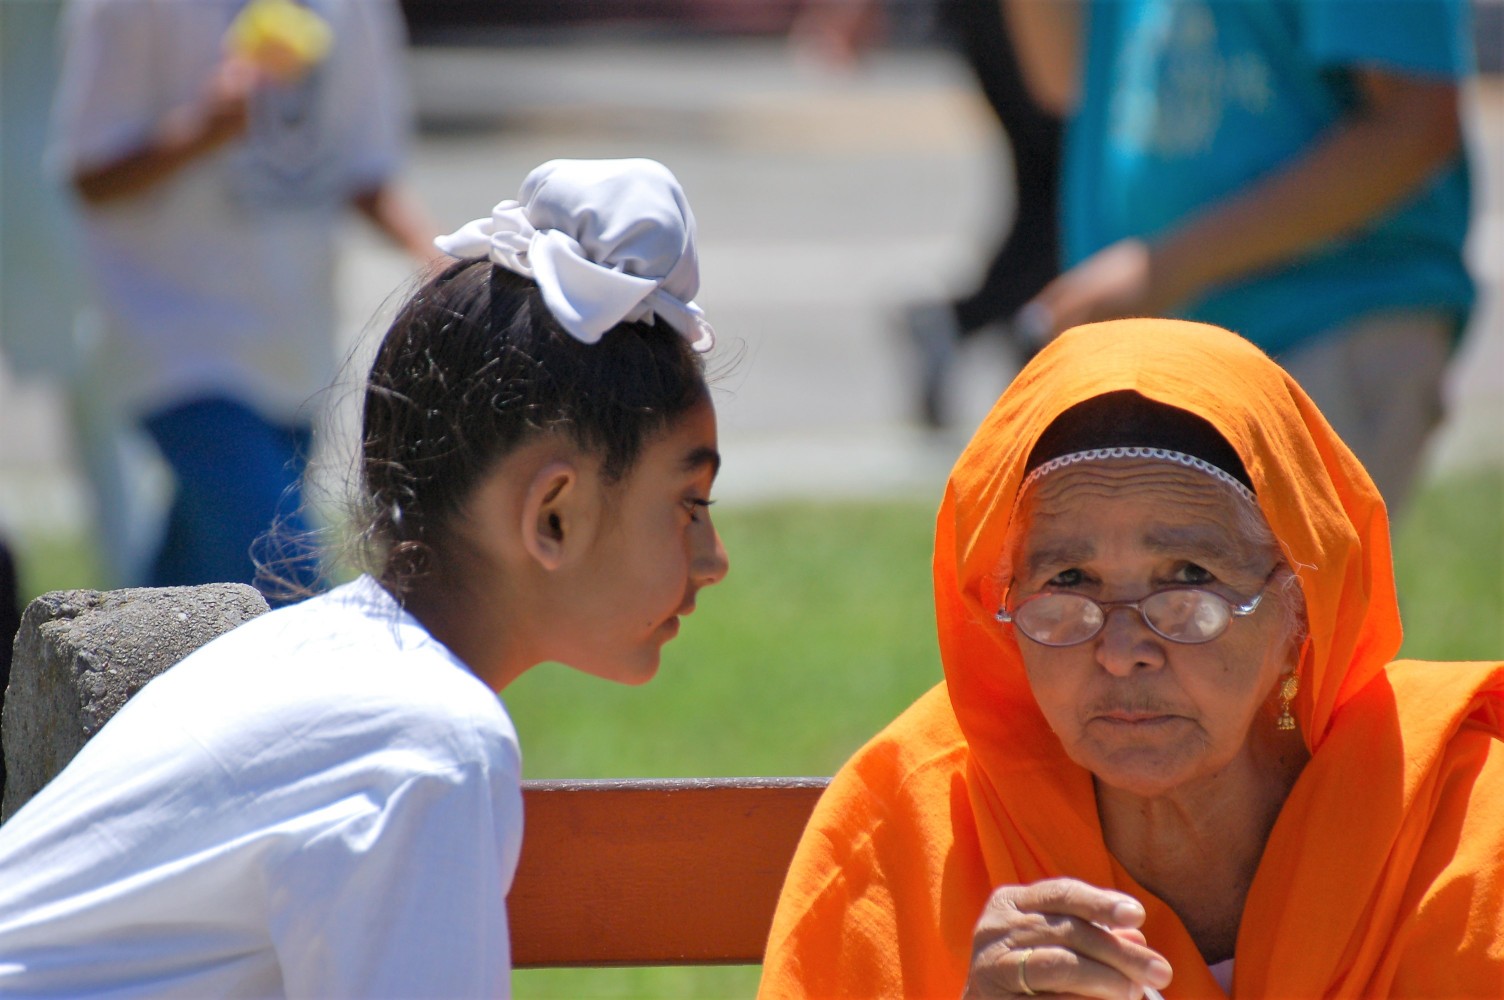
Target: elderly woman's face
[(1142, 713)]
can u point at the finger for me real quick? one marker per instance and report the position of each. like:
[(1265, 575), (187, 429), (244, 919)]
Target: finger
[(1007, 976), (236, 78), (1043, 912), (1074, 898), (1079, 918), (1035, 322), (1063, 971), (1124, 950), (1001, 971), (1020, 917)]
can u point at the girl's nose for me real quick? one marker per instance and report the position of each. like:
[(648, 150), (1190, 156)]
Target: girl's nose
[(709, 563), (1127, 643)]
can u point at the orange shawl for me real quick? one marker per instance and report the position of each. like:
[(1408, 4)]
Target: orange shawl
[(1384, 875)]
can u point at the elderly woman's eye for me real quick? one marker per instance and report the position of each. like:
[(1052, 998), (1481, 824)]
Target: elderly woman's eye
[(1067, 578), (1191, 573)]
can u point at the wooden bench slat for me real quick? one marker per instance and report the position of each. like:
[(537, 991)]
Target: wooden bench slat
[(663, 872)]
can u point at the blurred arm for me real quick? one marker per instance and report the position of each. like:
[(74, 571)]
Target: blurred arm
[(396, 213), (1047, 36), (183, 137), (1406, 130)]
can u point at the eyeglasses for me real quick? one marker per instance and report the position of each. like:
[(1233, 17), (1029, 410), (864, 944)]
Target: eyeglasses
[(1188, 615)]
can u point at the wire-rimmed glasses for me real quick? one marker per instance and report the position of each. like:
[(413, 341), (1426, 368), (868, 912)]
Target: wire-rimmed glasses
[(1189, 615)]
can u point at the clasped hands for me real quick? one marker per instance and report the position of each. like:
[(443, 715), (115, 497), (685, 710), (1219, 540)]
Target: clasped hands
[(1062, 936)]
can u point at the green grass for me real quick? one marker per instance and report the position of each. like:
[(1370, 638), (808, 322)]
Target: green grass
[(1449, 559), (46, 563), (689, 982), (824, 631)]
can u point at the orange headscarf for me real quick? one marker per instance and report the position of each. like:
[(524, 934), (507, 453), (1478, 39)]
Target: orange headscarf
[(1384, 875)]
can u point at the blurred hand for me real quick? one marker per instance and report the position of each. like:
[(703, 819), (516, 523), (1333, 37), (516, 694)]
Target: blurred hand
[(838, 32), (227, 100), (185, 135), (1062, 936), (1116, 281)]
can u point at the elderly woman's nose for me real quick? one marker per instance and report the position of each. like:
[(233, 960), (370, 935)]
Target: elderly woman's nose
[(1126, 643)]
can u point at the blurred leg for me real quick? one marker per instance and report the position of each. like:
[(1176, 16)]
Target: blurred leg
[(1028, 257), (1378, 383), (10, 623), (128, 483), (10, 612), (237, 477)]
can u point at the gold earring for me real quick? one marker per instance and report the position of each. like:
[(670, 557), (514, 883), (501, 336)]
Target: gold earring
[(1288, 688)]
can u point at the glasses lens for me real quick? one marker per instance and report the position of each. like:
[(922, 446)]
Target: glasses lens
[(1187, 615), (1058, 619)]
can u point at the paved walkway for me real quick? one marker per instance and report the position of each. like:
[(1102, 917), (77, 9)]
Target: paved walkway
[(825, 202)]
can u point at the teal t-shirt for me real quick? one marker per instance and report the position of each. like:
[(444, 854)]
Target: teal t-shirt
[(1185, 102)]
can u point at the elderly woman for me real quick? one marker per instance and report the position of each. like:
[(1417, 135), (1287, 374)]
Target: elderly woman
[(1170, 751)]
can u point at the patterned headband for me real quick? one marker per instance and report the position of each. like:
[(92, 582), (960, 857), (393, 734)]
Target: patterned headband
[(1158, 454)]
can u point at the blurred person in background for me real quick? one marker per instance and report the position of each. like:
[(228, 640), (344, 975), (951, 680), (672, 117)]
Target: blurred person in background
[(1027, 257), (1293, 170), (214, 147)]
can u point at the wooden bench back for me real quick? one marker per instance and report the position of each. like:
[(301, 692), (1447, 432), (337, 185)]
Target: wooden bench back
[(671, 872)]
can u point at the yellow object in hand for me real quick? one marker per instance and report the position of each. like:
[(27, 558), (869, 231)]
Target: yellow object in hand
[(281, 37)]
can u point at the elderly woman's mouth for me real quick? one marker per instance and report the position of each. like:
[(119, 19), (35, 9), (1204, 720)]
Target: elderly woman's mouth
[(1131, 717)]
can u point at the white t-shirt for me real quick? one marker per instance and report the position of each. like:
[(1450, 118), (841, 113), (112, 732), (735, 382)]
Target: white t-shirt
[(220, 280), (322, 803)]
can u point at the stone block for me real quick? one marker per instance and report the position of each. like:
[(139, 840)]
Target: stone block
[(81, 654)]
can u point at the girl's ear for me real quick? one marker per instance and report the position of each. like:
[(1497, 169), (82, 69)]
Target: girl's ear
[(552, 514)]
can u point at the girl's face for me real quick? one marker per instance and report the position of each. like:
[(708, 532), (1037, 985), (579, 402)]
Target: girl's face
[(1144, 714), (655, 549)]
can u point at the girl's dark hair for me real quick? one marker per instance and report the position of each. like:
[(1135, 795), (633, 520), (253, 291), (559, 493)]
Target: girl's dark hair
[(473, 366)]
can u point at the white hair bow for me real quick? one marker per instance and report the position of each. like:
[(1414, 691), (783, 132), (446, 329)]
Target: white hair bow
[(606, 241)]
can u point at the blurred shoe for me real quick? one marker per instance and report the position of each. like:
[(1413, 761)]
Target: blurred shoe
[(935, 334)]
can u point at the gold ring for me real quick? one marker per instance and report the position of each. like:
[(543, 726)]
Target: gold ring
[(1023, 979)]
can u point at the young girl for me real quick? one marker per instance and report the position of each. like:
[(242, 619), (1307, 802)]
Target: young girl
[(326, 802)]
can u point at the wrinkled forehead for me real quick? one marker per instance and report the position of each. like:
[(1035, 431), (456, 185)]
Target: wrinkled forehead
[(1088, 508), (1120, 491)]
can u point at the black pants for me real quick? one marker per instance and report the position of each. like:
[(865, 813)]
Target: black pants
[(1028, 256), (10, 623)]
